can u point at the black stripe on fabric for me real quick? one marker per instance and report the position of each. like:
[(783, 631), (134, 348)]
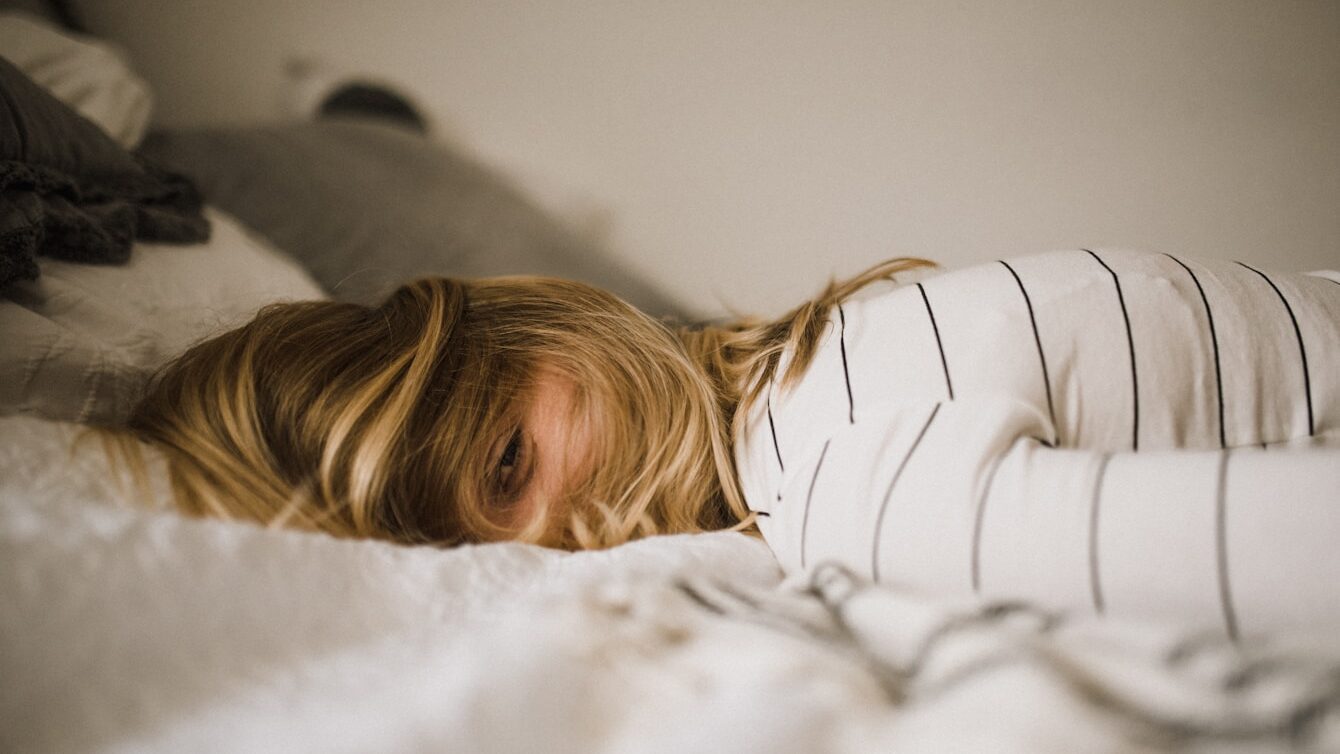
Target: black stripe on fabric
[(888, 494), (688, 590), (805, 517), (1095, 505), (763, 514), (977, 525), (1042, 358), (1302, 351), (1214, 343), (1221, 548), (1130, 344), (944, 364), (775, 447), (846, 376)]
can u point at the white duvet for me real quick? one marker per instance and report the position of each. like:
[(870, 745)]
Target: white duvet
[(125, 628)]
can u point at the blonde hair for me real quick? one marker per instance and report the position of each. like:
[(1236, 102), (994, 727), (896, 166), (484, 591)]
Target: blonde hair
[(379, 422)]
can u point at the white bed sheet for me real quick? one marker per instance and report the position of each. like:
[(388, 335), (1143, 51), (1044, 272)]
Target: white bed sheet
[(130, 629)]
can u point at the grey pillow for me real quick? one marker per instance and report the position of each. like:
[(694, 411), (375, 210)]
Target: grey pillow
[(366, 205)]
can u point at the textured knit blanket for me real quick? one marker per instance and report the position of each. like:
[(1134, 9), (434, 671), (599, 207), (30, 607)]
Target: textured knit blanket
[(68, 191)]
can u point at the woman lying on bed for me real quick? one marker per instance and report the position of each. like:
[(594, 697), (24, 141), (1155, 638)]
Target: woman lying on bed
[(1130, 432)]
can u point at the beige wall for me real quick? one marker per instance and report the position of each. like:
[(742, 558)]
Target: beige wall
[(746, 150)]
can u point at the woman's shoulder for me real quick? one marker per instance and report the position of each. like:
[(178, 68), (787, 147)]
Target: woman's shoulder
[(1065, 278)]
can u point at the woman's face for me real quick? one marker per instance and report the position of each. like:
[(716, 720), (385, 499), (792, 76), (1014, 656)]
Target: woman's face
[(546, 456)]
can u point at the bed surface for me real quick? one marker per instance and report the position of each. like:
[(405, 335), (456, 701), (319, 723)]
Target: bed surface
[(129, 628)]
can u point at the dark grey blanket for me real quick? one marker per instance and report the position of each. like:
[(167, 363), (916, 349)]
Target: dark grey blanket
[(69, 192)]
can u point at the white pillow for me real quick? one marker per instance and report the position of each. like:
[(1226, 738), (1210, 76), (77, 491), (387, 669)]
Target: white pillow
[(89, 75), (80, 341)]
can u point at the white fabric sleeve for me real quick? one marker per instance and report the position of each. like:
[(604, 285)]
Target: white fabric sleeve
[(959, 497)]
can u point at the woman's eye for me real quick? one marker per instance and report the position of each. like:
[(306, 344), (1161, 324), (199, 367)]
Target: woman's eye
[(509, 461)]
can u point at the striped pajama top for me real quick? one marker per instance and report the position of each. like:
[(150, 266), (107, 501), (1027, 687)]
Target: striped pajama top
[(1125, 433)]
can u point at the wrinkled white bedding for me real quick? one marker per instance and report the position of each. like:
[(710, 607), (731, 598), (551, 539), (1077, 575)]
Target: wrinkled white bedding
[(78, 343), (130, 629)]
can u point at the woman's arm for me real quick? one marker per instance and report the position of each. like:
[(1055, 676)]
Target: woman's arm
[(960, 496)]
